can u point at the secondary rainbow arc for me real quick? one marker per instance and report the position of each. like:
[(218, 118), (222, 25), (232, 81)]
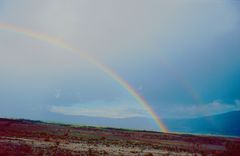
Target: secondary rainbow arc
[(106, 69)]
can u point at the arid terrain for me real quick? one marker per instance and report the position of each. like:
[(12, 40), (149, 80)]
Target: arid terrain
[(25, 137)]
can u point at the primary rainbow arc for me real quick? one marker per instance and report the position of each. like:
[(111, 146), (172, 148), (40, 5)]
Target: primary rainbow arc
[(106, 69)]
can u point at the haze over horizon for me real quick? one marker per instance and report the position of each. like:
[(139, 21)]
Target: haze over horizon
[(181, 56)]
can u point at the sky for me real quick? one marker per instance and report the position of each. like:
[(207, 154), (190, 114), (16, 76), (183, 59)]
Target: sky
[(183, 57)]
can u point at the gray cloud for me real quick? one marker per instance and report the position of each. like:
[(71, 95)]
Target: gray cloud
[(198, 39), (114, 109), (212, 108)]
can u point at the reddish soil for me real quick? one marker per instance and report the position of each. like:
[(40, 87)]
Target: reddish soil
[(24, 137)]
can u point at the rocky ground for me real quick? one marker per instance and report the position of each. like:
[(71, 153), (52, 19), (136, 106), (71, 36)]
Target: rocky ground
[(24, 137)]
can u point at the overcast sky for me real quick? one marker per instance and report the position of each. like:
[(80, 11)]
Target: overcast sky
[(183, 57)]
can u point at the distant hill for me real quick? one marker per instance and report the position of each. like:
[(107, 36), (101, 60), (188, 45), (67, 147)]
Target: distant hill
[(221, 124), (137, 123)]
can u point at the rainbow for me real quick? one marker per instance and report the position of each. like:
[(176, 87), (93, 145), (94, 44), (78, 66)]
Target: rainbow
[(106, 69)]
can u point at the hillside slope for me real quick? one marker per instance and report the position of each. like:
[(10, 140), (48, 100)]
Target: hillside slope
[(221, 124)]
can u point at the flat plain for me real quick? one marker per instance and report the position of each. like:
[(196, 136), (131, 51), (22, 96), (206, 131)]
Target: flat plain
[(26, 137)]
